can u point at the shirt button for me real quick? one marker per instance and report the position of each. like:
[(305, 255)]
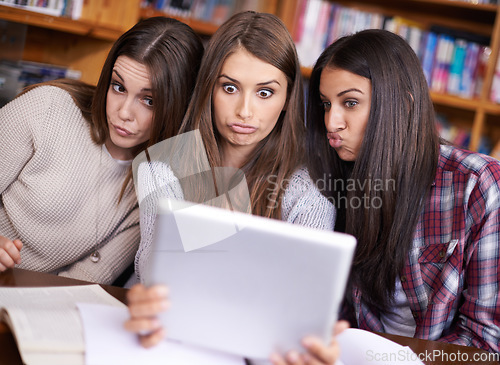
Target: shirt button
[(403, 279), (442, 253)]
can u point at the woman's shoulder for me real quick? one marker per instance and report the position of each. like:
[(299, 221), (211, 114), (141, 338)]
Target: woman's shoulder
[(300, 178), (467, 162), (155, 177), (299, 184), (42, 109), (46, 92), (304, 204), (44, 98)]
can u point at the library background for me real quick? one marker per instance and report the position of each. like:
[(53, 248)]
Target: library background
[(457, 41)]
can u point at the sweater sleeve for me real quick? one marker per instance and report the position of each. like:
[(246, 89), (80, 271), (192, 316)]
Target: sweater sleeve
[(17, 140), (304, 204), (154, 181)]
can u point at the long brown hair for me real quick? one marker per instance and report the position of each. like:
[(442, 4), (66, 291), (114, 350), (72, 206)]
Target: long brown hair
[(281, 152), (400, 150)]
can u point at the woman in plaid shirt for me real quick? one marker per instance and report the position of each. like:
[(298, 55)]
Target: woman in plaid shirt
[(425, 213)]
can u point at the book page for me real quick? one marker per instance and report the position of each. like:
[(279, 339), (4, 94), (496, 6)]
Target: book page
[(46, 319), (362, 347), (107, 342)]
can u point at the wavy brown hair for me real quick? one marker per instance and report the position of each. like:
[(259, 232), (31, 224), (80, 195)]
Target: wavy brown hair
[(400, 146), (281, 152)]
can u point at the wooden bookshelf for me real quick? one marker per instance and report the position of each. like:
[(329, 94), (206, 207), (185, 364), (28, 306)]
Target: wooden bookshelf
[(19, 15), (79, 44), (201, 27), (208, 28), (84, 44)]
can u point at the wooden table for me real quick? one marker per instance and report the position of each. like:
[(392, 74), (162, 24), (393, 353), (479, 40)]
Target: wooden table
[(430, 352)]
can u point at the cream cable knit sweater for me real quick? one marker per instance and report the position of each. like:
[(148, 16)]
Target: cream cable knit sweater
[(59, 190), (302, 204)]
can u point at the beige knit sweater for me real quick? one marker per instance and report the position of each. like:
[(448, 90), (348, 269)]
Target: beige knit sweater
[(59, 190)]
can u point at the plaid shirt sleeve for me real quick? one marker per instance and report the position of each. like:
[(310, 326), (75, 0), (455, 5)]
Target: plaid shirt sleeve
[(479, 316)]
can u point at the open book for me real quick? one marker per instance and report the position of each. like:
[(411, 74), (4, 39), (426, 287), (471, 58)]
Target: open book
[(50, 327), (46, 323)]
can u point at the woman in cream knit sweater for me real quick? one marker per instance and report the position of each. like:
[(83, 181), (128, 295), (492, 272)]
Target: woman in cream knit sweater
[(67, 204)]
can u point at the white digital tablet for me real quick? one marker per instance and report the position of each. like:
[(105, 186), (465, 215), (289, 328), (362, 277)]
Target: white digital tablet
[(244, 284)]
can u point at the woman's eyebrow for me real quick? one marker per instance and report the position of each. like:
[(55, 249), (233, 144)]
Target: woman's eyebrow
[(259, 84)]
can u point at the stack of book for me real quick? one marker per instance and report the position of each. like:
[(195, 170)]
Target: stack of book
[(14, 76), (68, 8), (460, 136)]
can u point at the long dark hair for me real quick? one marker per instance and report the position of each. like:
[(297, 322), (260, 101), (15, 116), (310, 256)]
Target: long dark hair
[(281, 152), (400, 150)]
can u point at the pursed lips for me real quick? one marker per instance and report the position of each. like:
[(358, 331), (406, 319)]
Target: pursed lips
[(122, 131), (242, 128), (334, 139)]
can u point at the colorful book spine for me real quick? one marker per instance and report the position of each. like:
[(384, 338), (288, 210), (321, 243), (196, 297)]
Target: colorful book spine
[(429, 56), (444, 53), (457, 66), (468, 80), (305, 46), (482, 62), (495, 86)]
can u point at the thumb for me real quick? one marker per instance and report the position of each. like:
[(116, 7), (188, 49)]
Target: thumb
[(339, 327)]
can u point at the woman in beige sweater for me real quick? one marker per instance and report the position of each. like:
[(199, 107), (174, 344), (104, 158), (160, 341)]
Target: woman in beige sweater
[(67, 204)]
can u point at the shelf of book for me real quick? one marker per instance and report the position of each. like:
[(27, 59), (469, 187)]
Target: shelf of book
[(466, 104), (80, 44), (454, 14), (457, 42), (204, 16)]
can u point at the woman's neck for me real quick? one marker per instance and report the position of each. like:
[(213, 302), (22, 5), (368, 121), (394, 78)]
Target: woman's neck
[(235, 157), (118, 153)]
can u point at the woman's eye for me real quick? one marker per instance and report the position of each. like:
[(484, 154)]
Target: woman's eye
[(264, 94), (351, 103), (229, 88), (117, 87), (326, 105), (148, 101)]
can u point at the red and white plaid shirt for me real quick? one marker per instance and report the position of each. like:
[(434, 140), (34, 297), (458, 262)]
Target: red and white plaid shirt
[(452, 276)]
